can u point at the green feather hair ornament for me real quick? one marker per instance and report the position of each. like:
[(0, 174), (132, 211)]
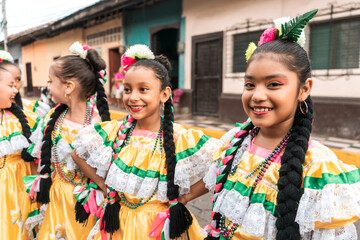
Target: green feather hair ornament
[(285, 28)]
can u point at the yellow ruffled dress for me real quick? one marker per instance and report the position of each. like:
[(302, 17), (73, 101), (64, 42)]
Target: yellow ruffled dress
[(35, 106), (57, 218), (12, 169), (139, 172), (329, 206)]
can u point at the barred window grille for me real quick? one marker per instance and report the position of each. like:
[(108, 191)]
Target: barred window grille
[(108, 35), (241, 42), (335, 44)]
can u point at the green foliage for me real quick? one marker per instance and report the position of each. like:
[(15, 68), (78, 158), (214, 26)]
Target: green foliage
[(292, 30)]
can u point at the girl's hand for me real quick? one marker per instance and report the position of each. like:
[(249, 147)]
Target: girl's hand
[(34, 168), (182, 199)]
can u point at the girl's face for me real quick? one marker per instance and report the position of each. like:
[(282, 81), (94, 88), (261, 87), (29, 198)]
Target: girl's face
[(56, 86), (271, 93), (15, 72), (7, 89), (142, 93)]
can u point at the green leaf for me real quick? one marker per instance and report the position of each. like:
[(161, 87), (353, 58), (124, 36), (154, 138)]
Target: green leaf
[(291, 30)]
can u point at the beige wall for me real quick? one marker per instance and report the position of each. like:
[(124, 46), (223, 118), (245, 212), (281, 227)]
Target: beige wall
[(42, 52), (104, 48), (208, 16)]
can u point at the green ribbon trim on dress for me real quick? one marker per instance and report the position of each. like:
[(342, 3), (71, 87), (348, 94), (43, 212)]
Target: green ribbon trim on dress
[(32, 129), (190, 151), (34, 213), (103, 134), (256, 197), (58, 138), (29, 179), (36, 105), (14, 134), (328, 178), (139, 172)]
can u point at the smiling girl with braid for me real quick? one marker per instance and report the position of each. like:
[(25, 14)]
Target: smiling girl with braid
[(16, 128), (273, 181), (72, 80), (147, 161), (38, 107)]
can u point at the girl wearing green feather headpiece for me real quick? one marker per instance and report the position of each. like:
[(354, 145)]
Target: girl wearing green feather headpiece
[(272, 180)]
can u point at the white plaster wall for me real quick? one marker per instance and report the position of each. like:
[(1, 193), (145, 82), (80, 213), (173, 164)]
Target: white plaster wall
[(208, 16)]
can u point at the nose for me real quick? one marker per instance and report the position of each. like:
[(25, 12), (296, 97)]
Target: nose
[(259, 94), (134, 96), (15, 90)]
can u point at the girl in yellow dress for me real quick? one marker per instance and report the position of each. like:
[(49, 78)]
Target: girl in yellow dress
[(272, 181), (72, 80), (16, 127), (38, 107), (145, 162)]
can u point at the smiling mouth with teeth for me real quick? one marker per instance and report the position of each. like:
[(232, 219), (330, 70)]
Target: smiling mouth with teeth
[(261, 109)]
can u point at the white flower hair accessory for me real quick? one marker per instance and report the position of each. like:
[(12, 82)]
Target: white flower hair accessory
[(134, 54), (79, 49), (6, 56), (279, 21)]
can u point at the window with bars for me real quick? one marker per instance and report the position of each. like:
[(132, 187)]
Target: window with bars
[(241, 42), (108, 35), (335, 44)]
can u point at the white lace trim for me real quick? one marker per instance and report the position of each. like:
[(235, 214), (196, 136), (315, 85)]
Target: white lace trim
[(37, 138), (63, 150), (333, 201), (190, 170), (90, 146), (15, 144), (42, 109), (347, 232), (210, 176), (135, 185), (32, 222), (227, 136), (254, 219)]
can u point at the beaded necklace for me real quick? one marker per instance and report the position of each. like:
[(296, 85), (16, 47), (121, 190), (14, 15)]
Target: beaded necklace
[(2, 117), (229, 230), (60, 165), (159, 138)]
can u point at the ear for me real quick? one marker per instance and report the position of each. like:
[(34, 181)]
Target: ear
[(70, 86), (165, 94), (305, 90)]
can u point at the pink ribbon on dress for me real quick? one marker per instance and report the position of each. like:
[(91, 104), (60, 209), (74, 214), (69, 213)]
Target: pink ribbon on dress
[(158, 224), (36, 181), (209, 229), (100, 214)]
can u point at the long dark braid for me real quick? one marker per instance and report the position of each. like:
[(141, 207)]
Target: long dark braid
[(225, 165), (45, 169), (17, 111), (18, 100), (101, 99), (290, 174)]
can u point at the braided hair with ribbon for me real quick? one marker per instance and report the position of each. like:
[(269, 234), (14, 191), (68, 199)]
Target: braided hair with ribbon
[(285, 46), (87, 68)]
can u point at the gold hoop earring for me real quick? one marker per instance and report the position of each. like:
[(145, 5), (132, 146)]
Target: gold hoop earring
[(306, 108)]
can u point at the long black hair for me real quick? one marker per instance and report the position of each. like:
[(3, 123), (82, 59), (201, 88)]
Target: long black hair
[(180, 217), (86, 72), (294, 57)]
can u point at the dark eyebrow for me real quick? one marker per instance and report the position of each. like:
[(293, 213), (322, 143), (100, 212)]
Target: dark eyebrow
[(267, 77)]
